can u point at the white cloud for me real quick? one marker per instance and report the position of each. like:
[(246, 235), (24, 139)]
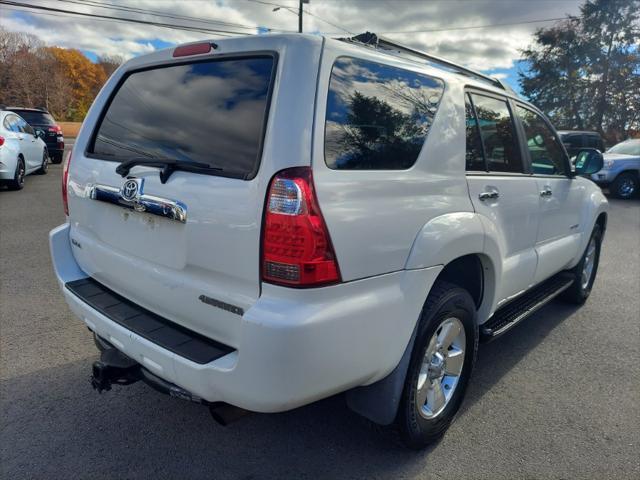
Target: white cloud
[(483, 49)]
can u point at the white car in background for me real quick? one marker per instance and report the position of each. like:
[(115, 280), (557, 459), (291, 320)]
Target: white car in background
[(21, 151), (621, 170)]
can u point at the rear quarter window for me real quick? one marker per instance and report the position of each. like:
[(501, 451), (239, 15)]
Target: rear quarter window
[(378, 116), (212, 112)]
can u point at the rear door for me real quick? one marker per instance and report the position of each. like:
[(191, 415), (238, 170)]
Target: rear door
[(187, 249), (561, 197), (501, 190)]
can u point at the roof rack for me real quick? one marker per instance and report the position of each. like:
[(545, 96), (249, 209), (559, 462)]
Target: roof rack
[(380, 43)]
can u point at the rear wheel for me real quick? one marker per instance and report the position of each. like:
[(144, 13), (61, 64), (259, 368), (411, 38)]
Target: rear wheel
[(18, 178), (45, 164), (625, 185), (584, 272), (441, 364)]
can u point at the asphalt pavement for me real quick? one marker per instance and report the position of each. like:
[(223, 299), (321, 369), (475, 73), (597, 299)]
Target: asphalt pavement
[(557, 397)]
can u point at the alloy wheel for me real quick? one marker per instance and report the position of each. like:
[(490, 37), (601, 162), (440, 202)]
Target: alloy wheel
[(441, 368)]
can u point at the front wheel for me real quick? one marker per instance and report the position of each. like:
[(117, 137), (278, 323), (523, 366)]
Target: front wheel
[(584, 273), (441, 363), (624, 186)]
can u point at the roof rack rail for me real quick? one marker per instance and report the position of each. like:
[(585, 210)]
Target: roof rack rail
[(373, 40)]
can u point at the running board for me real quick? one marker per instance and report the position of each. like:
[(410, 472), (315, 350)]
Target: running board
[(519, 309)]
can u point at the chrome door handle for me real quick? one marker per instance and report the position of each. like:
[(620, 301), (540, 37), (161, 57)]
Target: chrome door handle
[(546, 192), (489, 195)]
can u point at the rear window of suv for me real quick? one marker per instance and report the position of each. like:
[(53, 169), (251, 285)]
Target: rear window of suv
[(211, 112), (378, 116), (36, 118)]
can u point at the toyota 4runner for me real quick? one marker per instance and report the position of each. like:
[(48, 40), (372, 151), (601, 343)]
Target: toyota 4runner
[(259, 223)]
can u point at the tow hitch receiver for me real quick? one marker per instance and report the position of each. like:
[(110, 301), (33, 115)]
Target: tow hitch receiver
[(114, 367)]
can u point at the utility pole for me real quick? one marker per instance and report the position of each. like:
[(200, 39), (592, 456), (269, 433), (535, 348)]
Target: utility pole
[(300, 11)]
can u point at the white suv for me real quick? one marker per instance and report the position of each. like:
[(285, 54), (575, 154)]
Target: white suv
[(262, 222)]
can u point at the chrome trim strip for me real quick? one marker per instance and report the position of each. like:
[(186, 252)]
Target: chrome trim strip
[(162, 207)]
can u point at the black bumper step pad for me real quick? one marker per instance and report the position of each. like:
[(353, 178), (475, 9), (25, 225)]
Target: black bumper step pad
[(522, 307), (156, 329)]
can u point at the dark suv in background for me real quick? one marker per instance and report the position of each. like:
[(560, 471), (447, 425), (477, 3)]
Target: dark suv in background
[(41, 120), (575, 140)]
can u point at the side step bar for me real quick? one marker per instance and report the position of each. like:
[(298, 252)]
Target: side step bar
[(514, 312)]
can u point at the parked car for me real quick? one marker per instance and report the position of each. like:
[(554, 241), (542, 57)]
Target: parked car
[(298, 220), (576, 140), (621, 170), (42, 121), (22, 150)]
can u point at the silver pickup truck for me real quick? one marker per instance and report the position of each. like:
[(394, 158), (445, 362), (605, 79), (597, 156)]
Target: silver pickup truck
[(621, 171)]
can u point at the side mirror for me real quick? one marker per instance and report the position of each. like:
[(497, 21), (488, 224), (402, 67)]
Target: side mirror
[(39, 134), (588, 161)]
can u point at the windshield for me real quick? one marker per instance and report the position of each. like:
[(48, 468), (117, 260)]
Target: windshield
[(36, 118), (209, 112), (629, 147)]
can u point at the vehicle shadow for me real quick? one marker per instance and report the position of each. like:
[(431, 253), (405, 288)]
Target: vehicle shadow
[(56, 426)]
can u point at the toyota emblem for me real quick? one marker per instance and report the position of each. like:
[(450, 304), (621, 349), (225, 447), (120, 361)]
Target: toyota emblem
[(129, 190)]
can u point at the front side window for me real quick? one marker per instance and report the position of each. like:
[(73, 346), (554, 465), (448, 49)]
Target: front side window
[(211, 112), (378, 116), (498, 134), (545, 151)]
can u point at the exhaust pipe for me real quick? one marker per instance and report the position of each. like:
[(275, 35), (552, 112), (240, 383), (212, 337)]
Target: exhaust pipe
[(224, 414)]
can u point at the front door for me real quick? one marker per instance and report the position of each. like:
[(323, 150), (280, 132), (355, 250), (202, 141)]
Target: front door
[(560, 199), (502, 192)]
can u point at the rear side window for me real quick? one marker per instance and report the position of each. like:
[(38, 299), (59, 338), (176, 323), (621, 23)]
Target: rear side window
[(211, 112), (498, 134), (545, 151), (573, 141), (378, 116), (474, 155)]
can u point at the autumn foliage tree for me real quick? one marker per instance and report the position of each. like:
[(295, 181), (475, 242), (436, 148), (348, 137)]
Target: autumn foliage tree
[(62, 80)]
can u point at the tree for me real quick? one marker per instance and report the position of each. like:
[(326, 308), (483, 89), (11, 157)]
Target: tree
[(62, 80), (585, 71)]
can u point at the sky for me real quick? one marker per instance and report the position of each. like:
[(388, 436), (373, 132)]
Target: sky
[(446, 28)]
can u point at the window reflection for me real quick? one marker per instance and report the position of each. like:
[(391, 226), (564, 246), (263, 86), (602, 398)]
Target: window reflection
[(209, 112), (377, 116)]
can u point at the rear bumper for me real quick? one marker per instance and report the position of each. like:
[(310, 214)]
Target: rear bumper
[(297, 346)]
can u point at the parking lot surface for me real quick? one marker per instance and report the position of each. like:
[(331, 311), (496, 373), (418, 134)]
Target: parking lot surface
[(558, 397)]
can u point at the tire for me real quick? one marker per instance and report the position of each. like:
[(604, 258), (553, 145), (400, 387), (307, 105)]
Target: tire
[(56, 159), (625, 186), (448, 309), (18, 178), (45, 164), (584, 276)]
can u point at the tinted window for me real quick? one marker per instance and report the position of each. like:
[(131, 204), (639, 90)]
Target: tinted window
[(573, 141), (377, 116), (498, 135), (545, 151), (36, 118), (209, 112), (594, 141), (474, 155)]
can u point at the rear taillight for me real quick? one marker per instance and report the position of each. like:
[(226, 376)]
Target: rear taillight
[(296, 247), (55, 129), (1, 141), (65, 182)]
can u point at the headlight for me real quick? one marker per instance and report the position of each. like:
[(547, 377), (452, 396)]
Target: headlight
[(608, 163)]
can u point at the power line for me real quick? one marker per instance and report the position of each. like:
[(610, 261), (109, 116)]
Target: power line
[(491, 25), (157, 13), (293, 10), (122, 19)]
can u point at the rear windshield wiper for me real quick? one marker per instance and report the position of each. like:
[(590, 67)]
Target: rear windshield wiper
[(168, 166)]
